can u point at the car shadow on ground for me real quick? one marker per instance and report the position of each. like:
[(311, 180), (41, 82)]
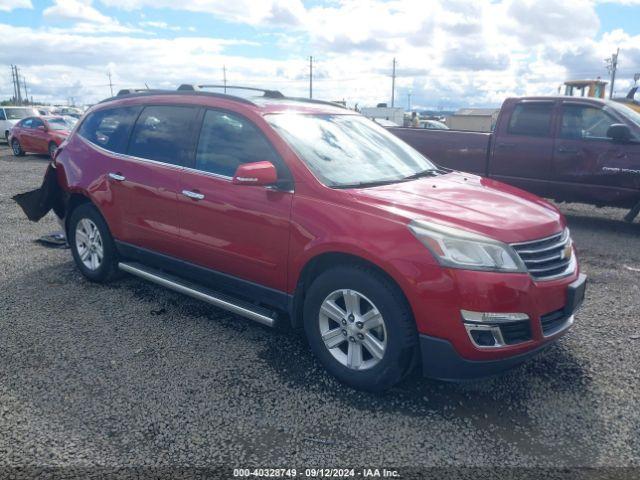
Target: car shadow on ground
[(555, 368), (597, 224)]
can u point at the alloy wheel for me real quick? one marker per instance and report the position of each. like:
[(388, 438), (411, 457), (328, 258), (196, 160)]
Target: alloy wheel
[(352, 329), (89, 244), (15, 145)]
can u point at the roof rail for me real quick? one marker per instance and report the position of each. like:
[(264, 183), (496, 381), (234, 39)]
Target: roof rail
[(267, 93), (129, 91), (313, 100)]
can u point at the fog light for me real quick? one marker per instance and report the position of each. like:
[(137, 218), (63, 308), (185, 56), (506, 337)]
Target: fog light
[(487, 317), (485, 336)]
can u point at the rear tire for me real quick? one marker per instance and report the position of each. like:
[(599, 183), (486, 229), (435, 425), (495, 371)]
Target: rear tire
[(92, 245), (52, 149), (369, 342), (17, 148)]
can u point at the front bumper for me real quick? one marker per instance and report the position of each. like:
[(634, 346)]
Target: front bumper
[(441, 360)]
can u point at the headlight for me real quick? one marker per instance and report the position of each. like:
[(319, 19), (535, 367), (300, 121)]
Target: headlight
[(461, 249)]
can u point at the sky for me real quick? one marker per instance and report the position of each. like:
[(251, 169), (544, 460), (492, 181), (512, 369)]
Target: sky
[(450, 53)]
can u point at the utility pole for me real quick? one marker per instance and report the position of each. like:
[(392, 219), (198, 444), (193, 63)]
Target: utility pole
[(18, 84), (110, 83), (393, 83), (26, 94), (224, 77), (612, 66), (13, 81), (409, 101), (310, 77)]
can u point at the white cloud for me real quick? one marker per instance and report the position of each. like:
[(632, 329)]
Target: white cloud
[(9, 5), (253, 12), (450, 52), (78, 10)]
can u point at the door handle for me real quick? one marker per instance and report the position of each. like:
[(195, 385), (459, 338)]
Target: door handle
[(193, 195), (567, 150), (117, 176)]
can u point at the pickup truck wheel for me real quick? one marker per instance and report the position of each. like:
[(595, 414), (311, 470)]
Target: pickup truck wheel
[(92, 246), (17, 148), (360, 327)]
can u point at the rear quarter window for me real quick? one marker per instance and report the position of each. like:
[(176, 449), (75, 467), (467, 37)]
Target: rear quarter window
[(110, 128)]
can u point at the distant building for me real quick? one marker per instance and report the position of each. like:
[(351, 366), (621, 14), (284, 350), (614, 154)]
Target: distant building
[(395, 115), (473, 119)]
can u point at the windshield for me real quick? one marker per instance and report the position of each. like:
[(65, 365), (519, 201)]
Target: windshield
[(18, 113), (630, 113), (349, 150), (58, 124)]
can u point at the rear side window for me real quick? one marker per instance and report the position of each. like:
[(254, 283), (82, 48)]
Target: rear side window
[(26, 123), (110, 128), (2, 115), (228, 140), (531, 119), (164, 133), (36, 122)]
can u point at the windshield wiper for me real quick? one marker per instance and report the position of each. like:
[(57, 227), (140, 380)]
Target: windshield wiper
[(376, 183), (430, 172)]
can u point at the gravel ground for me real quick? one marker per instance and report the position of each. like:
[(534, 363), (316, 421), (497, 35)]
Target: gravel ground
[(133, 375)]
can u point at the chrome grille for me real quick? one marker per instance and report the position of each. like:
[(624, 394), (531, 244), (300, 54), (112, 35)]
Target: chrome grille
[(546, 258)]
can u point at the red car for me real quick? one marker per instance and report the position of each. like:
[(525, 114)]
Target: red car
[(38, 135), (306, 213)]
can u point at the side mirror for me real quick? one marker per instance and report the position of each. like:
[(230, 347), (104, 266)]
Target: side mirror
[(256, 173), (619, 132), (42, 128)]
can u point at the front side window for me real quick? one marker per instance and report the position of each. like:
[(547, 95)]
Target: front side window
[(349, 150), (26, 123), (110, 128), (228, 140), (582, 121), (531, 119), (2, 115), (163, 133)]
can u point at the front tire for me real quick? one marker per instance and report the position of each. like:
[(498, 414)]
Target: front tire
[(17, 148), (92, 245), (360, 327)]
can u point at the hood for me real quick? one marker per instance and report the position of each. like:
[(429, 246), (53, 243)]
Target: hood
[(469, 202)]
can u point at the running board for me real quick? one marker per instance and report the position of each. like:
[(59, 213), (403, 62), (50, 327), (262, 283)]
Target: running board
[(239, 307)]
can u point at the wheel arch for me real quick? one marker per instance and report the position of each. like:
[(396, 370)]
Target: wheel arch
[(74, 201), (323, 262)]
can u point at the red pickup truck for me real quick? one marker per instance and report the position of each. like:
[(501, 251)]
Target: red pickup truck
[(566, 148)]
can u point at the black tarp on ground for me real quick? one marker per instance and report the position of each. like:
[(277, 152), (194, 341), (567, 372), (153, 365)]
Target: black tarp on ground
[(37, 203)]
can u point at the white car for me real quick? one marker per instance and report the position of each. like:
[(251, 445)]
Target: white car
[(9, 116)]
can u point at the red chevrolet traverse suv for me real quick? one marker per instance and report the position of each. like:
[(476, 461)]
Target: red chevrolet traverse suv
[(303, 212)]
